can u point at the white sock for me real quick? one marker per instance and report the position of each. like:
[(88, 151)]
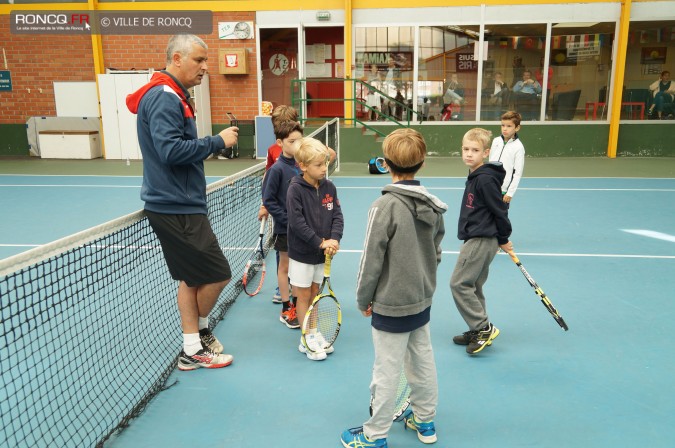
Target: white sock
[(191, 343), (203, 322)]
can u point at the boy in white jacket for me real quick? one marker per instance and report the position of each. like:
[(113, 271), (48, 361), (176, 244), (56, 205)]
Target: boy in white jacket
[(509, 150)]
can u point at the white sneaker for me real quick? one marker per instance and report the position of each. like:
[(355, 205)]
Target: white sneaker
[(322, 342), (318, 353)]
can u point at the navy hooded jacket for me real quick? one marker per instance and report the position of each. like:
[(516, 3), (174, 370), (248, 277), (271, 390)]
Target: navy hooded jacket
[(173, 156), (314, 214), (483, 212)]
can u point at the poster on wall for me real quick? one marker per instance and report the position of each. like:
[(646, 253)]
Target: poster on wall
[(402, 60), (653, 55), (5, 81), (278, 64), (466, 63), (560, 57), (652, 69)]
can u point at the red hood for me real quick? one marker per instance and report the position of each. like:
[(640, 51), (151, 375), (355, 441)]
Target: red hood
[(158, 79)]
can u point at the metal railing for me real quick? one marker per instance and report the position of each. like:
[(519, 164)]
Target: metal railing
[(359, 104)]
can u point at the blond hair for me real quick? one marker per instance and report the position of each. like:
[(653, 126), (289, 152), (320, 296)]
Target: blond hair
[(404, 148), (309, 149), (479, 135)]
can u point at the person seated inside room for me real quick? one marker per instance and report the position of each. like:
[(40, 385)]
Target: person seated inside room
[(526, 96), (663, 94), (495, 90)]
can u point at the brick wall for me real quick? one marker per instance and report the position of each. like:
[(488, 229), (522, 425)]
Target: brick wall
[(36, 61)]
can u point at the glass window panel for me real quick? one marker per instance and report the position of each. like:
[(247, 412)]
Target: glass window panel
[(382, 40), (384, 63), (579, 70), (278, 45), (651, 51), (511, 71), (447, 73)]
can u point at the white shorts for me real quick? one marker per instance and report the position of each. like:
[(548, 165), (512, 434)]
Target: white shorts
[(303, 275)]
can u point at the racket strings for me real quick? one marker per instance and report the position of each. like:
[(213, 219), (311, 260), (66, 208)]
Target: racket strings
[(324, 318)]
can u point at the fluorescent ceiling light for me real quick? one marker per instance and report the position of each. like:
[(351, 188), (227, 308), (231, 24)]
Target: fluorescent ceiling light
[(575, 25)]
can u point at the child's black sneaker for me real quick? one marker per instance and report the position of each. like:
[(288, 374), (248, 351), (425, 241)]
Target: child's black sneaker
[(482, 338), (464, 338)]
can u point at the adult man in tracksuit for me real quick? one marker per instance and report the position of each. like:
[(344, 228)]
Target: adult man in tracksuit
[(174, 191)]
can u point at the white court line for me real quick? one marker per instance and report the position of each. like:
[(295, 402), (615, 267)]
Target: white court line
[(528, 177), (669, 190), (535, 254), (66, 175), (69, 186), (449, 252), (651, 234), (357, 251)]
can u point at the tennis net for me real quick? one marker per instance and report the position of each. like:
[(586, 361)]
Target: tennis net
[(89, 328)]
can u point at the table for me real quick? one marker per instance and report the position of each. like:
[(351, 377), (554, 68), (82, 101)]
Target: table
[(598, 104)]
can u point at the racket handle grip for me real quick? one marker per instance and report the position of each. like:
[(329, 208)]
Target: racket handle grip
[(513, 256), (326, 266)]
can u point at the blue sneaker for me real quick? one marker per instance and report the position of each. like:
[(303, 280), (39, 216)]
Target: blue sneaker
[(426, 431), (355, 438), (276, 298)]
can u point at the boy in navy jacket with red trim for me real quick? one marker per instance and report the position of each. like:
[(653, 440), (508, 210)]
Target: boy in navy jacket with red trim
[(315, 225)]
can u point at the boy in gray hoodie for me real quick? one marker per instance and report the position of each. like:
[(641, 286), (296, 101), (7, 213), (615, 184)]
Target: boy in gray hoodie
[(396, 282)]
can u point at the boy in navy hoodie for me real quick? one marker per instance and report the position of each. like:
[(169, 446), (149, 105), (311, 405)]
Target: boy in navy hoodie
[(484, 227), (275, 188), (315, 225)]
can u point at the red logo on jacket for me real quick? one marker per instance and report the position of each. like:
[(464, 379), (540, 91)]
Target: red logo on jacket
[(469, 200), (327, 201)]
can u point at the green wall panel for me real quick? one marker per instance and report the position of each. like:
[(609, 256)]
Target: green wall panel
[(656, 139), (648, 139), (539, 140), (13, 140)]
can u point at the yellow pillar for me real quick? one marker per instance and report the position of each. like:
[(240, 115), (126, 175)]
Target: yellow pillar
[(96, 45), (619, 73), (348, 86)]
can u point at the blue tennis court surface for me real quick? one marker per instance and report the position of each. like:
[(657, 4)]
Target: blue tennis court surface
[(41, 209), (602, 249)]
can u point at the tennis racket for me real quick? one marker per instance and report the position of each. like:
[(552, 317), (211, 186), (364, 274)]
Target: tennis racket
[(547, 303), (402, 398), (255, 265), (324, 315)]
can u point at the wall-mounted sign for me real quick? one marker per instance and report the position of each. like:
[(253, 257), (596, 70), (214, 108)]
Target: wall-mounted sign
[(278, 64), (5, 81), (466, 62), (233, 61), (235, 30), (653, 55)]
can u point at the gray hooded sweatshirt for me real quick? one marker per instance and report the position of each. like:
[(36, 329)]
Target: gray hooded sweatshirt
[(402, 250)]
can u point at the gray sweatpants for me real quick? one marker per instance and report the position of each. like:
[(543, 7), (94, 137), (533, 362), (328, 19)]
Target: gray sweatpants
[(468, 278), (393, 352)]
